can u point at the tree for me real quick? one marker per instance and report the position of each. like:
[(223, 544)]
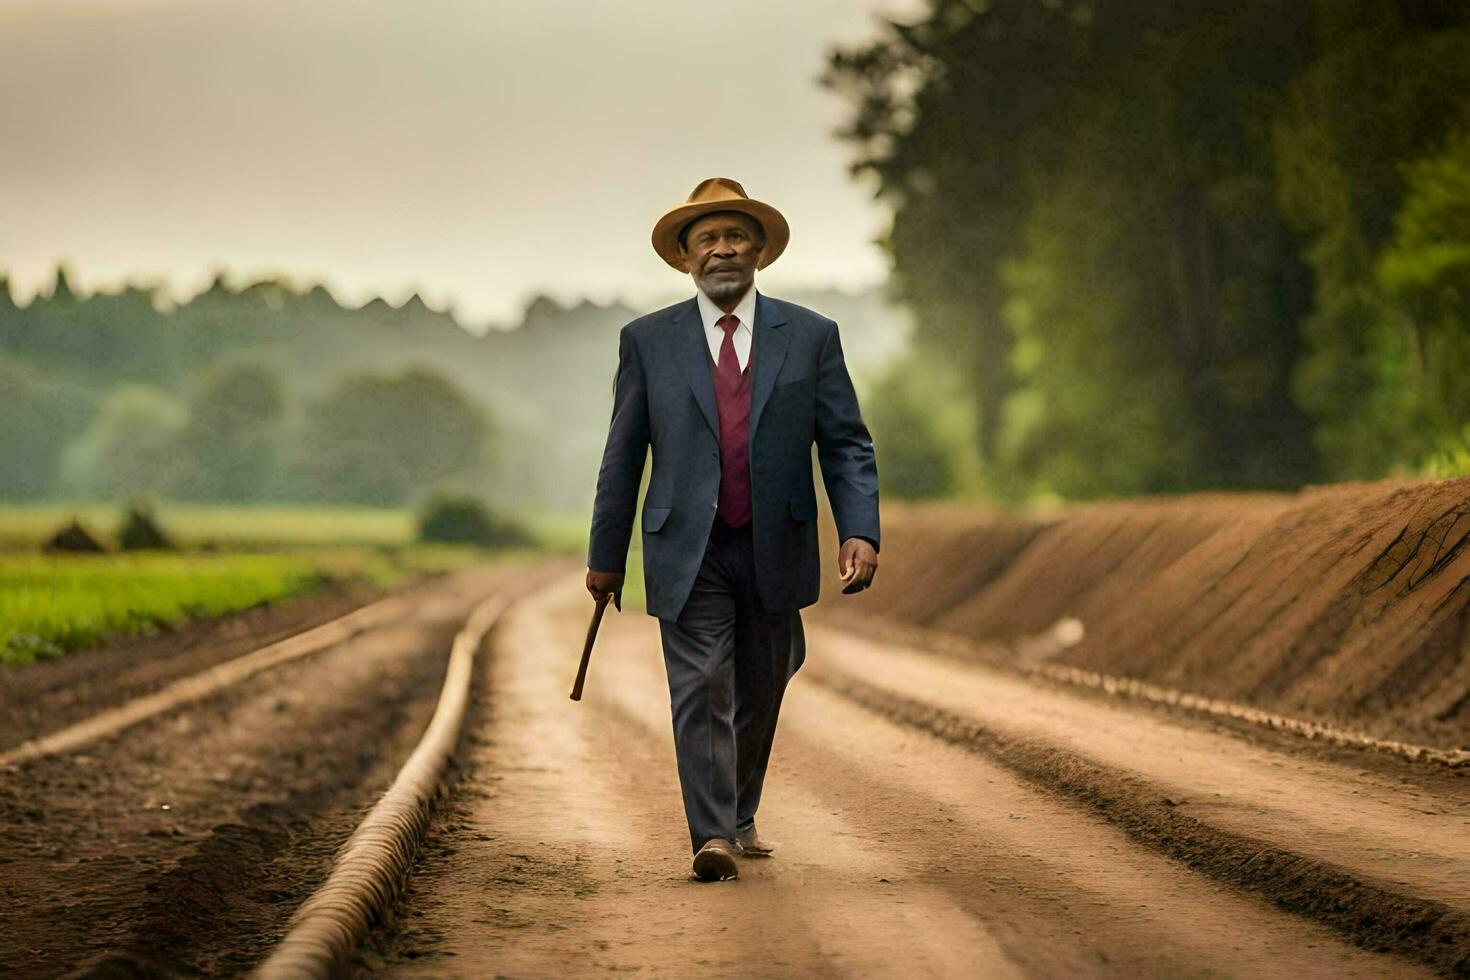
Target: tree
[(1100, 406), (922, 427), (130, 448), (39, 418), (1121, 220), (1425, 272), (233, 441), (386, 440), (1352, 125)]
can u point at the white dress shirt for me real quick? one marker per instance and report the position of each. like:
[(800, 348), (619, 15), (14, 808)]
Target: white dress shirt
[(713, 333)]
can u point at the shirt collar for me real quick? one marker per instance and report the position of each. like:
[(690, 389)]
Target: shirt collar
[(744, 310)]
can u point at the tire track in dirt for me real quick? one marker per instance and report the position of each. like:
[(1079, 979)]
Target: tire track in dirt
[(184, 844), (1374, 917), (50, 694), (902, 854), (1393, 822)]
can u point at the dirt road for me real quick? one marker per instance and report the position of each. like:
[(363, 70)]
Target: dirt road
[(181, 846), (935, 818)]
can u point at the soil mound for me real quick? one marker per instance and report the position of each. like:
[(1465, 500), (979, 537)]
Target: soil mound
[(141, 532), (1346, 604), (74, 537)]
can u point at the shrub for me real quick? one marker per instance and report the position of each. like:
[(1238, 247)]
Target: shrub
[(74, 537), (462, 519), (142, 532)]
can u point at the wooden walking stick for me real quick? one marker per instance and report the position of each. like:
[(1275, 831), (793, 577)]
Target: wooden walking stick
[(591, 636)]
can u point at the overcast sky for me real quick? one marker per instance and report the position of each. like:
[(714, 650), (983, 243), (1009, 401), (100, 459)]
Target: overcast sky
[(478, 152)]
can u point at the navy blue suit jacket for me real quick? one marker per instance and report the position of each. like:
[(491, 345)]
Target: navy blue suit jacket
[(664, 399)]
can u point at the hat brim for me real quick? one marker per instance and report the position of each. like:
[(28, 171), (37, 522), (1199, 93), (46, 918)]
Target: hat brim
[(666, 231)]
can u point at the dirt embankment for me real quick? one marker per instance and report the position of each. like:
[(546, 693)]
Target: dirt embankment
[(1348, 605)]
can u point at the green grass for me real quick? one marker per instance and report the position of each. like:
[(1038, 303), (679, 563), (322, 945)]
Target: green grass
[(232, 528), (27, 526), (53, 603), (56, 603)]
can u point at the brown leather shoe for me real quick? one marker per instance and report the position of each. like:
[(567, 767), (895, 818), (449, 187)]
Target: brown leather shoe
[(750, 844), (715, 861)]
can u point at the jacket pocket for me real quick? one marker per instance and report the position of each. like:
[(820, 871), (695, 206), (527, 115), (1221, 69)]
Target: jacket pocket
[(654, 518), (784, 382)]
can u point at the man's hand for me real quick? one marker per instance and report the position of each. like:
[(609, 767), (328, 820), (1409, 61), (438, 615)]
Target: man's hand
[(606, 583), (858, 563)]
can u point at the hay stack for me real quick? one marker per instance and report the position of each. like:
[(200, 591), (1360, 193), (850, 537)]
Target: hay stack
[(74, 538), (140, 532)]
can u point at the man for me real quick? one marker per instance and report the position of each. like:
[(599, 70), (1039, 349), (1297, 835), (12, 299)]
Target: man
[(730, 389)]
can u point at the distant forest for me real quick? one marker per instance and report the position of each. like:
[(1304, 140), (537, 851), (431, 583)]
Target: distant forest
[(1165, 245), (1145, 246), (269, 393)]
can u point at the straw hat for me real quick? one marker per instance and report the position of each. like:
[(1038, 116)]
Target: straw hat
[(719, 194)]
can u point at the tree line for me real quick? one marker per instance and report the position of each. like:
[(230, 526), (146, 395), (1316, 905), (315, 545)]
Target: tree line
[(1161, 246), (110, 397)]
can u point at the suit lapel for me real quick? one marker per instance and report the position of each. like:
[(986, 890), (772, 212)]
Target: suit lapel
[(694, 353), (769, 354)]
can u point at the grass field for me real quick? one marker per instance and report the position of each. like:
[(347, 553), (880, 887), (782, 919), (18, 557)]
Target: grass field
[(52, 603), (247, 528)]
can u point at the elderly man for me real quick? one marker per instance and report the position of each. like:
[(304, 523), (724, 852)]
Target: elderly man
[(730, 389)]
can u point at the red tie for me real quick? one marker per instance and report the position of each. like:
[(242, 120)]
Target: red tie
[(733, 401), (727, 369)]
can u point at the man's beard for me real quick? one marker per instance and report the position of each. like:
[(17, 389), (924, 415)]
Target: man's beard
[(723, 289)]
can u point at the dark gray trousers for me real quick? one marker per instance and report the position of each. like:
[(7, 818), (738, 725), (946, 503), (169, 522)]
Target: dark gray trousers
[(728, 661)]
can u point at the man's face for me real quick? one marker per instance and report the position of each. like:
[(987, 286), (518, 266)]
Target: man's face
[(721, 251)]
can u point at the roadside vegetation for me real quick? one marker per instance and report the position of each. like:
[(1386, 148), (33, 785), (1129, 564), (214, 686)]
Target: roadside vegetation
[(228, 559), (1158, 247), (221, 525), (52, 603)]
